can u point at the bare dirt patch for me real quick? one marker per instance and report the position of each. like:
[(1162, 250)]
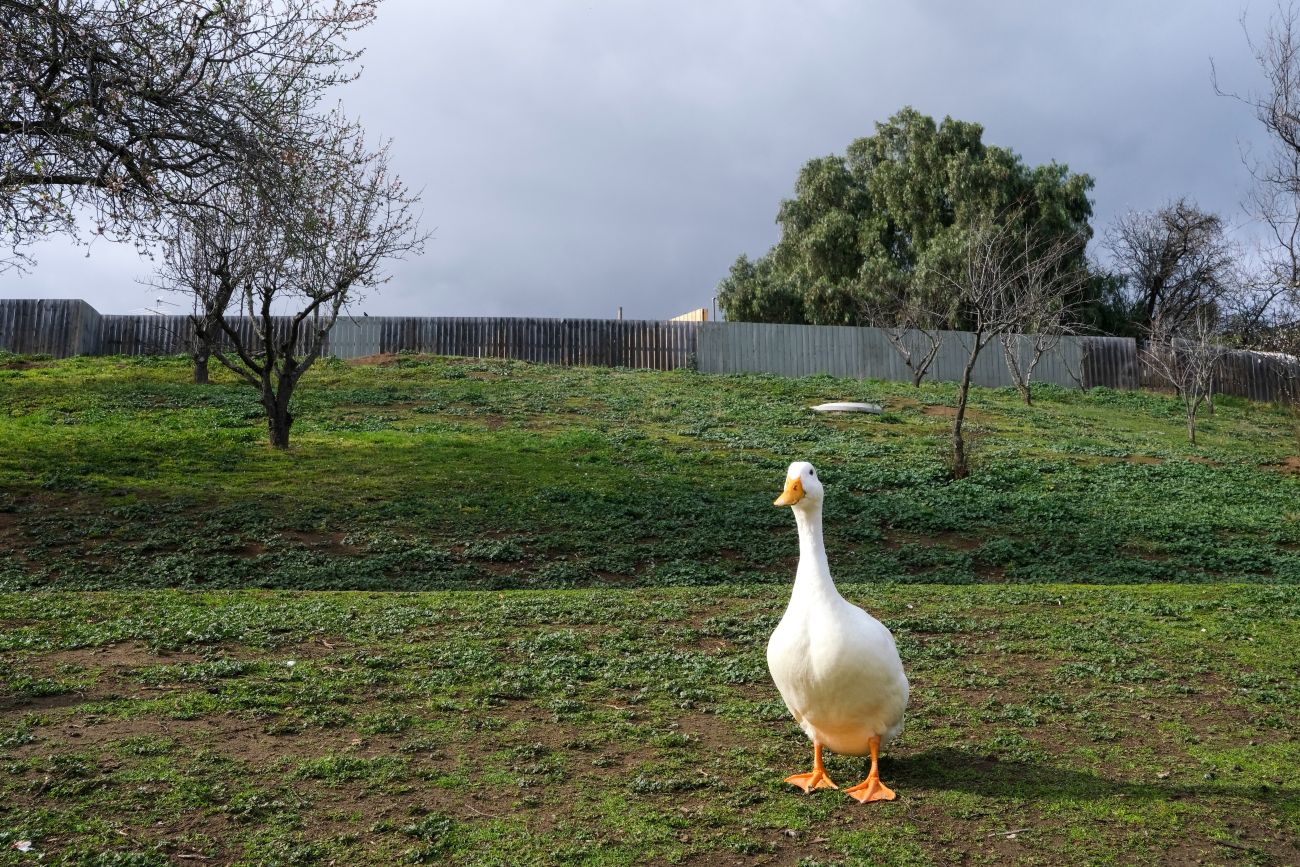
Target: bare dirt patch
[(112, 658), (1290, 466), (25, 363), (895, 539), (379, 359), (328, 543)]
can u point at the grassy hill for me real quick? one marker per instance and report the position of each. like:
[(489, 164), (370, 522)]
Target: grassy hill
[(1134, 721), (421, 473)]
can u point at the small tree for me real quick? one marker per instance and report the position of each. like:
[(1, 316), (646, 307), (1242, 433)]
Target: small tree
[(1002, 266), (1187, 358), (1044, 311), (914, 332), (213, 256), (308, 246), (1022, 372)]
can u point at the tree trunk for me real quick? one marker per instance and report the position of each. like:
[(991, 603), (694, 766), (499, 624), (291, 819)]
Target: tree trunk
[(960, 466), (918, 374), (1193, 406), (278, 417), (201, 368)]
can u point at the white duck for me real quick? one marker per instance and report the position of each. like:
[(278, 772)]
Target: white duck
[(835, 665)]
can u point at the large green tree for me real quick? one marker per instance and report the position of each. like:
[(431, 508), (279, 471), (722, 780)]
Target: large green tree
[(890, 219)]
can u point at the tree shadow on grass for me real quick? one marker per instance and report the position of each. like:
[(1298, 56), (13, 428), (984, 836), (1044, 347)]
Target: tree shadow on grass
[(957, 770)]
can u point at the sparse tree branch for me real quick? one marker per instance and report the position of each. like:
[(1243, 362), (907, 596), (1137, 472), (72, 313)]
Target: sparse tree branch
[(915, 332), (305, 246), (1010, 279), (124, 108)]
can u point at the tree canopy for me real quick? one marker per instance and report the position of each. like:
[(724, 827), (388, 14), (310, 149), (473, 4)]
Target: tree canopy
[(890, 219), (1177, 263)]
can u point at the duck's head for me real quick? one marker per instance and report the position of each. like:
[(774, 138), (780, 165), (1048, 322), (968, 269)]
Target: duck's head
[(802, 487)]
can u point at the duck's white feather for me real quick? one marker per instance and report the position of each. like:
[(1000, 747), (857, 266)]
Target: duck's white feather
[(836, 667), (838, 671)]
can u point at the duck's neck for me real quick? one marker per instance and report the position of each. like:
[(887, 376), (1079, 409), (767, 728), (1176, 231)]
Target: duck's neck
[(813, 577)]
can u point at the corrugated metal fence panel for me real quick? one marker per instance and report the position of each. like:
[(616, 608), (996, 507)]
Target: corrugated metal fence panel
[(866, 353), (1262, 376), (1110, 361), (1259, 376)]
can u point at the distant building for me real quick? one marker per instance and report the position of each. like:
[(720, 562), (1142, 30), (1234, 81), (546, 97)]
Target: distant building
[(700, 314)]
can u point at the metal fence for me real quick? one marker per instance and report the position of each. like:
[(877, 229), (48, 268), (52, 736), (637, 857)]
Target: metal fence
[(1262, 376), (70, 327), (866, 353), (62, 328)]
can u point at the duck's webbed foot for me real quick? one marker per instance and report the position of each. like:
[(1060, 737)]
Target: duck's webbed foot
[(816, 778), (871, 789)]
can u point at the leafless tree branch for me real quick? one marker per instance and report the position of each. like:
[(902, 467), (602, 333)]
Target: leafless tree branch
[(306, 246), (124, 107)]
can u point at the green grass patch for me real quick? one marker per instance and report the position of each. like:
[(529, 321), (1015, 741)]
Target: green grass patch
[(1049, 725), (428, 473)]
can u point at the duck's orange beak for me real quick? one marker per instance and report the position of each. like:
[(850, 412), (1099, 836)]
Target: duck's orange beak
[(792, 494)]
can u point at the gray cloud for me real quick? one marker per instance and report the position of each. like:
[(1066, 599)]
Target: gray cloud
[(580, 156)]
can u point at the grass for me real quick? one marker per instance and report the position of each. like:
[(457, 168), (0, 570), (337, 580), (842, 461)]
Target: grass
[(427, 474), (1099, 625), (1048, 725)]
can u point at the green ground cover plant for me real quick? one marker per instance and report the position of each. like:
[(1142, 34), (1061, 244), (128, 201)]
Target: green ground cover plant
[(1099, 624), (421, 473), (1049, 725)]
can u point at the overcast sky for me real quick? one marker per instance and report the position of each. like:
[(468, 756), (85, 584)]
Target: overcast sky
[(578, 156)]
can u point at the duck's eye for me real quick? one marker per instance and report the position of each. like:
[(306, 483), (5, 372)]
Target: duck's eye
[(812, 473)]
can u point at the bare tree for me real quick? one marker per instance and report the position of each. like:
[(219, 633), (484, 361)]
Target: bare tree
[(1174, 261), (1263, 318), (1003, 267), (1022, 371), (213, 256), (120, 107), (1187, 358), (306, 247), (1044, 311), (915, 332), (1269, 318)]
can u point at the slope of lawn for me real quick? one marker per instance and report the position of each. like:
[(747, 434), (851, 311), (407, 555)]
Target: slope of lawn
[(1114, 683), (420, 473)]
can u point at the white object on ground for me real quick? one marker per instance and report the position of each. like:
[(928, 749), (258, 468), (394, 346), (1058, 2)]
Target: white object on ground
[(848, 406)]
